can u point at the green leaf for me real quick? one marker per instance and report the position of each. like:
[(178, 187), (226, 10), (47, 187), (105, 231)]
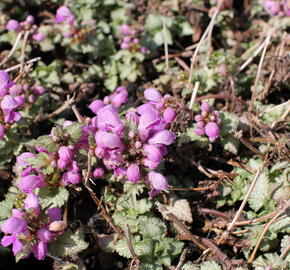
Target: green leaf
[(186, 28), (282, 225), (210, 265), (68, 244), (39, 161), (47, 143), (122, 248), (229, 123), (191, 136), (152, 228), (271, 260), (285, 242), (6, 207), (189, 266), (144, 206), (75, 131), (144, 248), (230, 143), (122, 219), (259, 193), (53, 196), (151, 266)]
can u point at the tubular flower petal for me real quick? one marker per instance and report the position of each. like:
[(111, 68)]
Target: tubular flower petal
[(162, 137), (30, 182), (152, 94), (133, 173)]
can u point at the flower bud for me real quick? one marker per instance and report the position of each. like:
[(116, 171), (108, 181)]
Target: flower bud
[(127, 40), (212, 130), (99, 173), (272, 7), (125, 46), (57, 226), (133, 173), (169, 115), (125, 30), (205, 107), (45, 235), (30, 19), (199, 131), (96, 105), (38, 37), (13, 25)]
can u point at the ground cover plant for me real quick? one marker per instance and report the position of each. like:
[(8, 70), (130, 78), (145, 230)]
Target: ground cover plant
[(144, 134)]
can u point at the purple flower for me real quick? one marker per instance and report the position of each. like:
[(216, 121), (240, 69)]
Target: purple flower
[(212, 130), (12, 239), (14, 225), (70, 178), (272, 7), (143, 50), (125, 30), (157, 181), (109, 120), (30, 19), (96, 105), (200, 131), (40, 250), (125, 46), (8, 103), (145, 108), (64, 14), (38, 37), (162, 137), (119, 97), (152, 94), (31, 201), (133, 173), (205, 107), (13, 25), (2, 131), (21, 160), (132, 116), (147, 120), (38, 90), (65, 154), (4, 82), (286, 8), (152, 153), (30, 182), (169, 115), (54, 214), (99, 173), (108, 140), (45, 235)]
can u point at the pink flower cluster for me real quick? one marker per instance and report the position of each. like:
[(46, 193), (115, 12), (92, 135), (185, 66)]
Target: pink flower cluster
[(27, 25), (208, 122), (12, 98), (65, 168), (31, 229), (65, 16), (133, 148), (277, 7), (131, 39)]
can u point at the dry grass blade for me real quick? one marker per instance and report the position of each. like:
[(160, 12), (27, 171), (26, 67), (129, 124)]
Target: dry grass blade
[(252, 257), (239, 212)]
